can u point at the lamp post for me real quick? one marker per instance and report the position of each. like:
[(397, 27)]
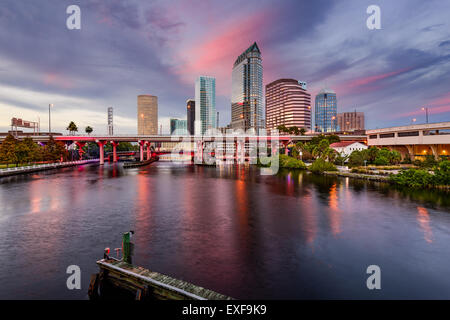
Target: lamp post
[(426, 112), (49, 119)]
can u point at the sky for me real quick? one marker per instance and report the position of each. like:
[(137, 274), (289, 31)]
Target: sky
[(127, 48)]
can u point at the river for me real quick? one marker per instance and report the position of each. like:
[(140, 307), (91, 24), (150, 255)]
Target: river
[(293, 235)]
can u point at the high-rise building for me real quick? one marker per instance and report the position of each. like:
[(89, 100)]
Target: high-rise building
[(110, 121), (190, 109), (325, 111), (178, 127), (247, 90), (287, 103), (350, 121), (147, 112), (205, 104)]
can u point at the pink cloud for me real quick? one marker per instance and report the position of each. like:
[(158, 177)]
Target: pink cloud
[(57, 80), (214, 56), (368, 80), (436, 106)]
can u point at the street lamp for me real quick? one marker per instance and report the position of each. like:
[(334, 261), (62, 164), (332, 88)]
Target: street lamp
[(49, 119), (426, 112)]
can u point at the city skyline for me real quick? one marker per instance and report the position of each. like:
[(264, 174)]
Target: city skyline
[(123, 50)]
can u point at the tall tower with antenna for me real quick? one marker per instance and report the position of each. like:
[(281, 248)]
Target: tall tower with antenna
[(110, 121)]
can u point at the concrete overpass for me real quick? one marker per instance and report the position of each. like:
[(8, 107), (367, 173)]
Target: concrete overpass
[(145, 141), (416, 140)]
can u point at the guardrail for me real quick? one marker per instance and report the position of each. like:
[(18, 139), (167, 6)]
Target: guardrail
[(46, 166)]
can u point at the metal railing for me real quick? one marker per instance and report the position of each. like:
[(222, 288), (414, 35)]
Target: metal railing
[(47, 165)]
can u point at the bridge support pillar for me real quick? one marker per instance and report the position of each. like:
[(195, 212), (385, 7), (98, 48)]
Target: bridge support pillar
[(285, 145), (141, 150), (434, 149), (114, 145), (411, 152), (101, 144), (148, 151), (240, 151), (80, 148)]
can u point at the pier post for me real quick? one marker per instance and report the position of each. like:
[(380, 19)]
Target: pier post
[(127, 247)]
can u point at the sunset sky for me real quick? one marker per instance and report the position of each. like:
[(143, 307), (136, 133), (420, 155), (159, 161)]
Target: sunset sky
[(127, 48)]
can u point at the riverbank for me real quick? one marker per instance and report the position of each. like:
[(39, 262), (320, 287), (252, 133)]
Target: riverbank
[(370, 177), (43, 167)]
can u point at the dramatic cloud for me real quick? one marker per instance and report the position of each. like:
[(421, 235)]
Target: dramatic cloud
[(127, 48)]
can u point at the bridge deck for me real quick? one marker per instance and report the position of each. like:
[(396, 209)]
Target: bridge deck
[(156, 285)]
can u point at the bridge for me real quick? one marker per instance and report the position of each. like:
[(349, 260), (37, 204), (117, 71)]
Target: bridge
[(415, 141), (199, 142)]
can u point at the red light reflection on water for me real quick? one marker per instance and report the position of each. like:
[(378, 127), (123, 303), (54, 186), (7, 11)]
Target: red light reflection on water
[(423, 218)]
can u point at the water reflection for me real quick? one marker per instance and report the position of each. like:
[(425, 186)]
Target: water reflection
[(424, 221), (231, 229)]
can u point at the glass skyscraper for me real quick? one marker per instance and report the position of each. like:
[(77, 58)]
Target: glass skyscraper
[(178, 127), (247, 90), (325, 111), (205, 104)]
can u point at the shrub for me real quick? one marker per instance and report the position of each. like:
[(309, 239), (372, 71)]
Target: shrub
[(442, 173), (413, 178), (284, 161), (320, 166), (291, 163), (381, 161), (356, 159)]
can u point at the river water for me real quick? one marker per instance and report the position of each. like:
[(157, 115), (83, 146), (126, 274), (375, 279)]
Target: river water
[(293, 235)]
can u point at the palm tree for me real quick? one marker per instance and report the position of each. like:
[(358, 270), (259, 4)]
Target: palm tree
[(72, 127), (89, 130)]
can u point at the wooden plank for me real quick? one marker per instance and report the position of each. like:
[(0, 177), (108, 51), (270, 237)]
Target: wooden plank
[(161, 286)]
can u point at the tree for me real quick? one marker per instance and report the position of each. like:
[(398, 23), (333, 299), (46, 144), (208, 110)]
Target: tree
[(89, 130), (32, 150), (302, 131), (55, 150), (356, 159), (72, 127), (8, 150)]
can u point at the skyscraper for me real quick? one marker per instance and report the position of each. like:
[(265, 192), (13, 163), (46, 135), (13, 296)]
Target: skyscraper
[(350, 121), (178, 127), (247, 90), (287, 103), (325, 111), (110, 121), (147, 112), (190, 110), (205, 104)]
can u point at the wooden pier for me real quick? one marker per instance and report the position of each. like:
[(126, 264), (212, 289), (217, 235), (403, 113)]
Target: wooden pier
[(143, 284)]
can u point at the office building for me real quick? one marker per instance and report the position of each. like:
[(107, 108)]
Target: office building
[(178, 127), (190, 110), (205, 104), (247, 90), (147, 112), (287, 103), (350, 121), (325, 111)]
